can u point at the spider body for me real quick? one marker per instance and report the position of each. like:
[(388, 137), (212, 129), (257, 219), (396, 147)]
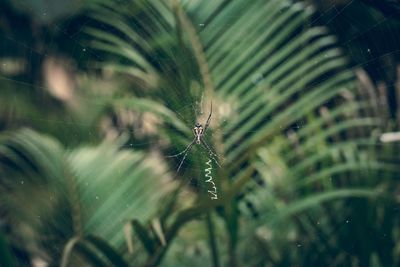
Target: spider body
[(199, 133)]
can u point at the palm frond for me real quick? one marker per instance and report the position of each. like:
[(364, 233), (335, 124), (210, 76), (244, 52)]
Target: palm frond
[(295, 120), (80, 186)]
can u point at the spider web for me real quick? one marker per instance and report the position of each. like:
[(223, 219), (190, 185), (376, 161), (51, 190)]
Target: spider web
[(369, 58), (329, 16)]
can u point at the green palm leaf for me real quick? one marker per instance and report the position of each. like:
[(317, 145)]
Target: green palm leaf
[(81, 187), (272, 71)]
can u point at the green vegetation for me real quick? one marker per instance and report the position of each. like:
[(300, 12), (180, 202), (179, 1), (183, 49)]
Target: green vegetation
[(304, 180)]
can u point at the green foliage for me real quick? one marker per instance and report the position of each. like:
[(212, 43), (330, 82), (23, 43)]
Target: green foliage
[(291, 129), (87, 190), (6, 258)]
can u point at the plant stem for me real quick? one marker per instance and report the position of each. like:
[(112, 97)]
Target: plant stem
[(74, 200), (213, 243), (232, 228)]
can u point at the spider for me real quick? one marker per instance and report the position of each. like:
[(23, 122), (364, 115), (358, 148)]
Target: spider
[(199, 133)]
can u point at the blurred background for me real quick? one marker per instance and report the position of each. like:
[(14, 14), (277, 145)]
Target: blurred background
[(95, 97)]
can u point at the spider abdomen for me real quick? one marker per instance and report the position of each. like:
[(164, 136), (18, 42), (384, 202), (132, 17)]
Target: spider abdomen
[(198, 133)]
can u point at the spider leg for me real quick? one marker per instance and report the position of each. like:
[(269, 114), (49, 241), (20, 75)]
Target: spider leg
[(206, 146), (187, 150), (180, 153), (213, 155), (208, 120)]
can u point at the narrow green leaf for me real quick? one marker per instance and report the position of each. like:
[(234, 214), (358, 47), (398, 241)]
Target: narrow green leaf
[(143, 236), (110, 253), (316, 199)]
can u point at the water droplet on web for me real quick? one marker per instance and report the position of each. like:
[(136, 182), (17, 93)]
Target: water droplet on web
[(22, 182), (369, 50), (84, 49), (201, 24), (347, 221), (298, 245), (97, 197)]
